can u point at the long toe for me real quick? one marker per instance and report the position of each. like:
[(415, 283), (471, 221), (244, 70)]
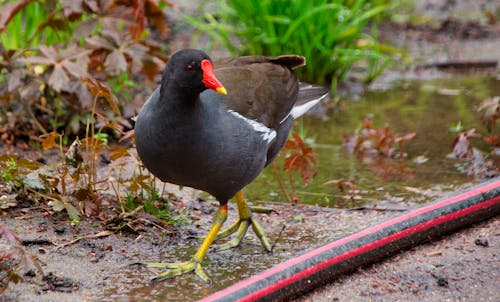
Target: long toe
[(177, 269), (229, 231), (261, 234), (241, 228)]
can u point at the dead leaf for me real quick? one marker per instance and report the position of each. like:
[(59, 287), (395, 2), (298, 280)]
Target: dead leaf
[(49, 140), (9, 235), (490, 111), (115, 63)]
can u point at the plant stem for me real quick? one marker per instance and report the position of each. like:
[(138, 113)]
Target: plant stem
[(280, 182)]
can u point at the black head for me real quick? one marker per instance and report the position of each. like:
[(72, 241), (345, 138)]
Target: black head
[(191, 70)]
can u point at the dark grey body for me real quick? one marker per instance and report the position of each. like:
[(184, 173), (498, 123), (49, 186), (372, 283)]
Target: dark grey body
[(191, 136), (202, 145)]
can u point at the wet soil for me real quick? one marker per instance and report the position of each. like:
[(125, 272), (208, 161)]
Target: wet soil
[(102, 268), (455, 268), (461, 267)]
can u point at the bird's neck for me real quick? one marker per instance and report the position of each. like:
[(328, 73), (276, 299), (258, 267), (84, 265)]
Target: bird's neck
[(178, 97)]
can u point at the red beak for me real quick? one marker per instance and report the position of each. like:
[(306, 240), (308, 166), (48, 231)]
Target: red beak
[(209, 79)]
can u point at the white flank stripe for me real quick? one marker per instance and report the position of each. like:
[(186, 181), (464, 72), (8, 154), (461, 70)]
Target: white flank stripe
[(267, 133)]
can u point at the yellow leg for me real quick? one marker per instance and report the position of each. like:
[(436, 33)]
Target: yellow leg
[(240, 227), (176, 269)]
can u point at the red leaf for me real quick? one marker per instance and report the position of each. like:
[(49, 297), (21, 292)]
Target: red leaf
[(491, 140), (300, 159)]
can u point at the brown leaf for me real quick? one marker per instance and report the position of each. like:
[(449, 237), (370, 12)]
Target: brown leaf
[(462, 148), (301, 159), (59, 80), (14, 80), (49, 140), (72, 9), (491, 140), (98, 89), (156, 17), (49, 52), (406, 137), (150, 69), (137, 52), (137, 27), (37, 60), (115, 63), (490, 111), (84, 29), (8, 234), (78, 68), (99, 42), (29, 262)]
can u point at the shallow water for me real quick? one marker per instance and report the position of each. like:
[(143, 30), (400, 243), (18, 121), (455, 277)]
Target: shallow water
[(427, 107)]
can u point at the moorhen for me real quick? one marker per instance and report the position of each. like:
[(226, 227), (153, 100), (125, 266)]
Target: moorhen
[(192, 132)]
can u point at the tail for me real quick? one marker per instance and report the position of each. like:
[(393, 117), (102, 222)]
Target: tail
[(309, 96)]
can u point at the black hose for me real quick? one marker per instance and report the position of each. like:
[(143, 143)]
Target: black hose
[(315, 268)]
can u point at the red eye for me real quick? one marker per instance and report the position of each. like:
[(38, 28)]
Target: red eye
[(190, 67)]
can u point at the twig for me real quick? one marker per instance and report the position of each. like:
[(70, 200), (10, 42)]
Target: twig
[(120, 200), (278, 238), (294, 191), (280, 182), (98, 235), (375, 209)]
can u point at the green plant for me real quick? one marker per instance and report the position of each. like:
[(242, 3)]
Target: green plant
[(34, 26), (156, 206), (16, 171), (330, 34), (41, 86)]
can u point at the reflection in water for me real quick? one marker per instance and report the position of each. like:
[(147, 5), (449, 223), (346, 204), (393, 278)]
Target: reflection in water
[(425, 107)]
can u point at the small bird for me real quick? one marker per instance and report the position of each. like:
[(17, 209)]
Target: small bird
[(194, 131)]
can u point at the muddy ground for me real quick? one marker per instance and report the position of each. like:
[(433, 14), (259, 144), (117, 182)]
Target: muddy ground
[(454, 268)]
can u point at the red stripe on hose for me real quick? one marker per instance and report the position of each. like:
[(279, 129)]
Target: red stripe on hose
[(368, 247), (344, 240)]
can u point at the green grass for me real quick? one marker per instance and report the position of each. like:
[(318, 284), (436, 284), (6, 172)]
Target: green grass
[(331, 35), (31, 27)]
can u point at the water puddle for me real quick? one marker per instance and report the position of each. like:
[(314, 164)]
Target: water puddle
[(427, 107)]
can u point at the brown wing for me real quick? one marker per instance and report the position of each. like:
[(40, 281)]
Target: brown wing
[(261, 88)]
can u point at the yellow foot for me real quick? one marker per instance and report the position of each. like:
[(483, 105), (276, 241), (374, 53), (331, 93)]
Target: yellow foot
[(240, 227), (262, 210), (177, 269)]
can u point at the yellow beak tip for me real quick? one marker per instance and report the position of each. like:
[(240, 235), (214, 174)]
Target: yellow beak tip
[(221, 90)]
